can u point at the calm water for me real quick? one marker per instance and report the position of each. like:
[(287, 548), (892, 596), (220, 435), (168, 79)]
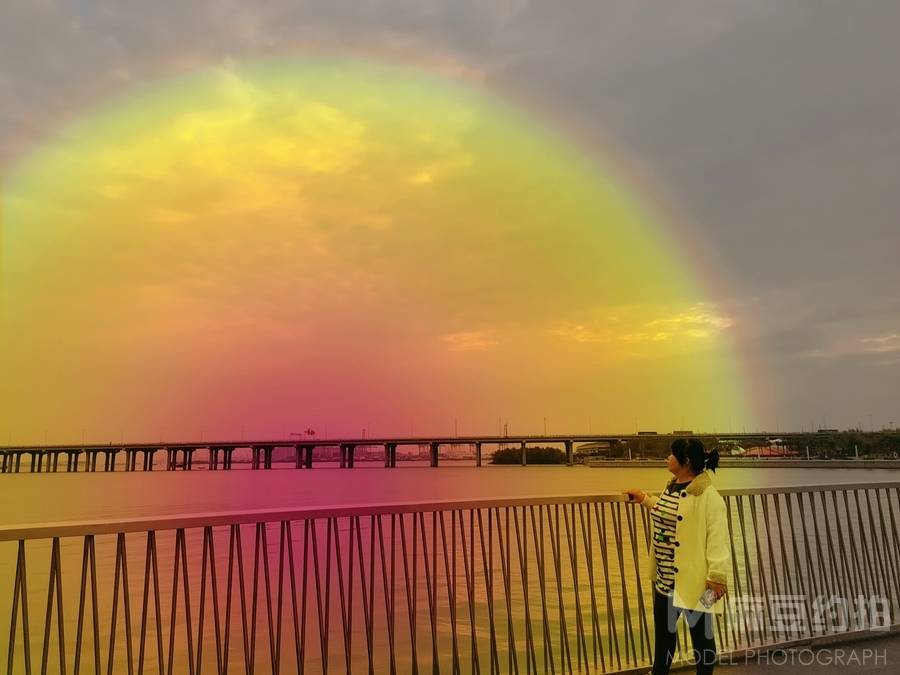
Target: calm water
[(34, 498)]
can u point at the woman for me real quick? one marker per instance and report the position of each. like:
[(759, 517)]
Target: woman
[(691, 553)]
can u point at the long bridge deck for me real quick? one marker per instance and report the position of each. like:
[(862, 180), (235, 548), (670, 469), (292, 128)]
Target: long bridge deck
[(220, 455)]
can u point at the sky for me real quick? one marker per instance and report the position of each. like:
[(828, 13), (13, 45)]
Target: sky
[(229, 218)]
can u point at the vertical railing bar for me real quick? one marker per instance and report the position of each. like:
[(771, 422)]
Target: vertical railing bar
[(829, 581), (19, 588), (487, 564), (748, 577), (537, 535), (870, 571), (435, 664), (565, 651), (857, 558), (415, 592), (187, 599), (345, 617), (880, 550), (451, 588), (367, 613), (812, 589), (767, 598), (847, 575), (572, 546), (613, 636), (891, 556), (293, 580), (48, 615), (522, 550), (388, 599), (770, 541), (894, 533), (350, 524), (470, 584), (512, 657), (323, 626), (798, 569), (214, 588), (264, 542), (372, 557), (393, 577), (202, 608), (587, 532), (80, 621), (643, 628), (327, 590), (254, 598), (279, 607), (616, 508), (729, 599), (410, 593), (304, 593), (249, 659)]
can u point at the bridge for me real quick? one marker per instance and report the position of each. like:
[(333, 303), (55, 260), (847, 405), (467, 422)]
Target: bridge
[(220, 454), (552, 584)]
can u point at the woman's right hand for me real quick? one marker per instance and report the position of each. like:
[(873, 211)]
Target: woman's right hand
[(636, 495)]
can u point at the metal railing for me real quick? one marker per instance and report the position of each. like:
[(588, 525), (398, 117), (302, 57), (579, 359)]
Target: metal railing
[(531, 585)]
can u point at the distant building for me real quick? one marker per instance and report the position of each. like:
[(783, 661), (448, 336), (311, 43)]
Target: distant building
[(593, 448)]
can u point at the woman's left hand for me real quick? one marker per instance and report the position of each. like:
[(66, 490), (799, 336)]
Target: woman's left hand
[(718, 589)]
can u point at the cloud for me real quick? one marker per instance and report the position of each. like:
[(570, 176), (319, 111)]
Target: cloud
[(469, 341)]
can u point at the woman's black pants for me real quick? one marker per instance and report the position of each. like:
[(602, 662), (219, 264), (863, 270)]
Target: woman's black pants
[(665, 616)]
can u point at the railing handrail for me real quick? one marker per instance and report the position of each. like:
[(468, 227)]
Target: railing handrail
[(63, 529)]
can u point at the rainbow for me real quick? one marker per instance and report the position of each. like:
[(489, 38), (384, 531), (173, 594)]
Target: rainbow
[(343, 244)]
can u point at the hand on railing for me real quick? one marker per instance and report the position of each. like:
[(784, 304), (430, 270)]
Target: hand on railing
[(636, 495)]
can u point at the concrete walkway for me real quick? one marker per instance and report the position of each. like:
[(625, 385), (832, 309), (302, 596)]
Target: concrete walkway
[(876, 656)]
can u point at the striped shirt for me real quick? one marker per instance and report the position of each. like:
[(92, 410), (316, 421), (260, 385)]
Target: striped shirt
[(663, 515)]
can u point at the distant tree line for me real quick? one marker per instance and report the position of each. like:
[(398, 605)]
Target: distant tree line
[(874, 445), (533, 455)]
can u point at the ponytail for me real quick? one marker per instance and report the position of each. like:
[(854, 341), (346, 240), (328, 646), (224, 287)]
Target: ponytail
[(691, 451)]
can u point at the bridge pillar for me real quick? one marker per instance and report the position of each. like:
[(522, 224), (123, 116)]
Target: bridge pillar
[(309, 456), (213, 459), (435, 446), (267, 456), (478, 454), (3, 459), (188, 463), (18, 462), (227, 454), (171, 459), (149, 456), (254, 458), (55, 455), (37, 461), (570, 455), (390, 455), (524, 454)]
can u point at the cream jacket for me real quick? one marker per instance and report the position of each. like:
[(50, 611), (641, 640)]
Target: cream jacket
[(702, 548)]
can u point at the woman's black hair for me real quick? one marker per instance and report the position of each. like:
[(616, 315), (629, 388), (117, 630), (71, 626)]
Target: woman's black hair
[(690, 451)]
